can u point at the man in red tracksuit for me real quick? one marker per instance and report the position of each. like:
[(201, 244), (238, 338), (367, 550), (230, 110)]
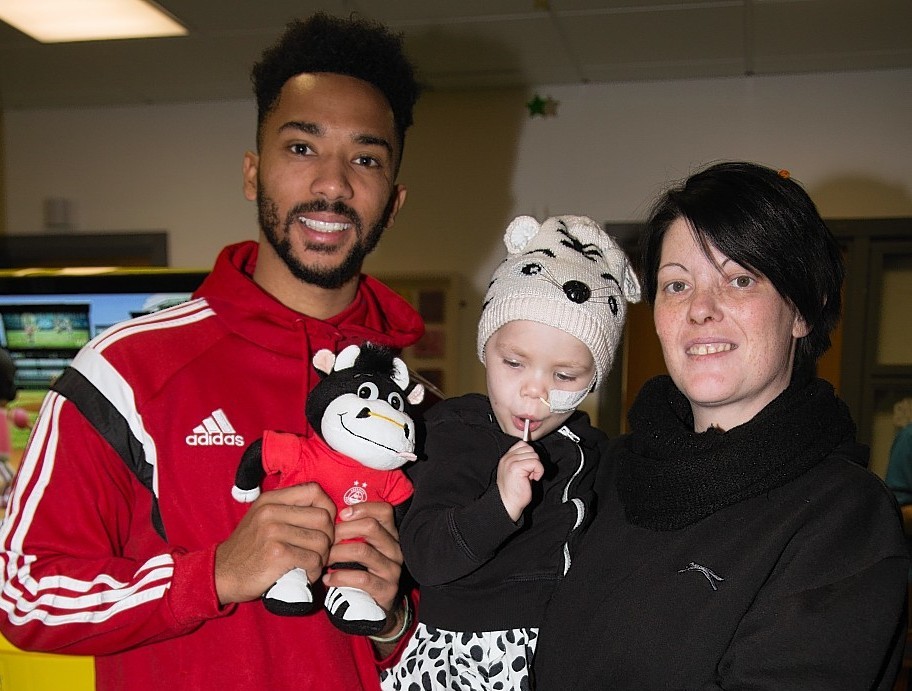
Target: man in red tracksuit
[(121, 538)]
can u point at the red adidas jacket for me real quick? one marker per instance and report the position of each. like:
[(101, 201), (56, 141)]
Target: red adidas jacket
[(95, 563)]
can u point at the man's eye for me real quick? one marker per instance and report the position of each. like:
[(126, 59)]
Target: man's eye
[(301, 149), (367, 161)]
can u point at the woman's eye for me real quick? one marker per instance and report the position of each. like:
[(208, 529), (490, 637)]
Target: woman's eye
[(743, 281), (368, 391), (675, 286)]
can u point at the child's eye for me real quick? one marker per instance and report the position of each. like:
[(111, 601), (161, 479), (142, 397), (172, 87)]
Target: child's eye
[(564, 377), (513, 364)]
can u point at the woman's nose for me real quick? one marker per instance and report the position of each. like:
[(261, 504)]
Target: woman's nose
[(704, 306)]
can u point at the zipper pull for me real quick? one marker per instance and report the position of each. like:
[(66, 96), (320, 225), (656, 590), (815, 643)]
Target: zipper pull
[(570, 435)]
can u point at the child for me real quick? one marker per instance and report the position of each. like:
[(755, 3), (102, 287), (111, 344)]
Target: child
[(494, 520)]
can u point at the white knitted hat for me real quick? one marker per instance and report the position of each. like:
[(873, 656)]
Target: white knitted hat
[(567, 273)]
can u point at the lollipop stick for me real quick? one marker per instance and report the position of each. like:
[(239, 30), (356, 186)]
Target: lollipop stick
[(526, 431)]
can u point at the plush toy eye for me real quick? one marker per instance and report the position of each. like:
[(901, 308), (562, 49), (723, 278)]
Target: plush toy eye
[(368, 390), (396, 401), (531, 269)]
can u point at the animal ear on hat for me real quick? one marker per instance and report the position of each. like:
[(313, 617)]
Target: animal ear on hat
[(520, 231), (630, 285)]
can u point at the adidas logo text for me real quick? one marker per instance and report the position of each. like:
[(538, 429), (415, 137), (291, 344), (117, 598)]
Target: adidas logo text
[(215, 430)]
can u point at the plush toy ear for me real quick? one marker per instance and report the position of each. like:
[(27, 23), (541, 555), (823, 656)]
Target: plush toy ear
[(347, 357), (400, 374), (520, 231), (323, 360), (416, 395)]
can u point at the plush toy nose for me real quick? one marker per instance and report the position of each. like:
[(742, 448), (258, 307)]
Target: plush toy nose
[(577, 291), (367, 412)]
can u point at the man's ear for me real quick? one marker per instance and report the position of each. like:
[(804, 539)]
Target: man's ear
[(396, 201), (251, 166)]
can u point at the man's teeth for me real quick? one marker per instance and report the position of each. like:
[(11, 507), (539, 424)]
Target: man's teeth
[(323, 226), (709, 348)]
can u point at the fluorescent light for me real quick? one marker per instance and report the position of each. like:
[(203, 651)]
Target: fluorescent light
[(57, 21)]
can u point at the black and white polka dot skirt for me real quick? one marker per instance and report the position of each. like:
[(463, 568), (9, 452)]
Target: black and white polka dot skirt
[(437, 660)]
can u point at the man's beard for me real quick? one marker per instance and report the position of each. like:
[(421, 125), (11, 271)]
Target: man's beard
[(328, 278)]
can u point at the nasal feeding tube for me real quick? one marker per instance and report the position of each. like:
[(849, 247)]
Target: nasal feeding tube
[(560, 401)]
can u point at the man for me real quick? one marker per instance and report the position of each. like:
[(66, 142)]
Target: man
[(122, 540)]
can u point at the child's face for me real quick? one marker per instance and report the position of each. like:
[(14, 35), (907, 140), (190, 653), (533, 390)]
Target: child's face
[(525, 361)]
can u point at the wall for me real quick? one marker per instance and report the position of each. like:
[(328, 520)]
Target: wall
[(474, 160)]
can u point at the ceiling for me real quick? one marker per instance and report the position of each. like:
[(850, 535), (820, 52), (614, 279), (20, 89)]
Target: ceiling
[(472, 44)]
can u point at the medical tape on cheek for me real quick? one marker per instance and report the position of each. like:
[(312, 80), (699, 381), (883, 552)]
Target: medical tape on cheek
[(564, 401)]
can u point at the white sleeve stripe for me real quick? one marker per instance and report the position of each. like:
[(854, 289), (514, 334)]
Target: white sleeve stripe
[(52, 601), (94, 617), (163, 317), (67, 583), (17, 565), (43, 445), (142, 324), (115, 388)]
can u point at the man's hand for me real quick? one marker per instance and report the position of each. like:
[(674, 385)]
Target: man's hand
[(283, 529), (516, 471), (367, 535)]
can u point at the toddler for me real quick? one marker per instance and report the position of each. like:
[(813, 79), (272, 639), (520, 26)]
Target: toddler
[(505, 490)]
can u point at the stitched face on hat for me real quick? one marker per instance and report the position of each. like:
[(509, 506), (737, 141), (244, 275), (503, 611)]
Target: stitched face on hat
[(567, 273)]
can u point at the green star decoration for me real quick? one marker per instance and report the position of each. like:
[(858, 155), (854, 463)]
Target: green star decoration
[(536, 106), (544, 107)]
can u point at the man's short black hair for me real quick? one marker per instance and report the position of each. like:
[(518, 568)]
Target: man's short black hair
[(355, 47)]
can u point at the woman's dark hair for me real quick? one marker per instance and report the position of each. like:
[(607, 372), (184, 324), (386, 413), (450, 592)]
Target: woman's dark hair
[(767, 223), (354, 47)]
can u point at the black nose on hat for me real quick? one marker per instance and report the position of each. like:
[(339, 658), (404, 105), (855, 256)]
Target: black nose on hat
[(577, 291)]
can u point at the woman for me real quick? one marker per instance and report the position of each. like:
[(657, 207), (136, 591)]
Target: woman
[(740, 541)]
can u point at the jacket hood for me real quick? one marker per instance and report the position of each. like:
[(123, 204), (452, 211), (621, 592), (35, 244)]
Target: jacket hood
[(377, 313)]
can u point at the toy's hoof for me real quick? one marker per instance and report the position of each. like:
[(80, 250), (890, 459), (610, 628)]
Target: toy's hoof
[(354, 611), (291, 595), (245, 496)]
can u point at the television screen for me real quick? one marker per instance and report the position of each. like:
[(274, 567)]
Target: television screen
[(46, 316)]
